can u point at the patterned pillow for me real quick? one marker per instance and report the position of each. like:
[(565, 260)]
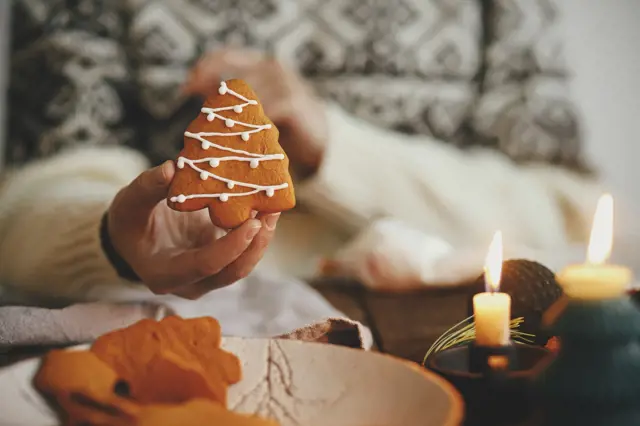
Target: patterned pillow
[(407, 65), (468, 72), (69, 78), (524, 108)]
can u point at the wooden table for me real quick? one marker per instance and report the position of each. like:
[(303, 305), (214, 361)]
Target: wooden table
[(404, 325)]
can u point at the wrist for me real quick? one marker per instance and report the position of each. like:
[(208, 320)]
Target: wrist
[(118, 263)]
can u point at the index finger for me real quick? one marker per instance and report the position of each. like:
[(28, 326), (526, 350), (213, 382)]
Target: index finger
[(239, 268), (194, 265), (222, 64)]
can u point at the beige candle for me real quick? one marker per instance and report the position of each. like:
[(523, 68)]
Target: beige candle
[(492, 309), (597, 280)]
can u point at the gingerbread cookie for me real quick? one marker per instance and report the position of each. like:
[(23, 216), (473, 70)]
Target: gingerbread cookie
[(66, 371), (170, 379), (164, 373), (84, 389), (197, 412), (140, 354), (232, 162)]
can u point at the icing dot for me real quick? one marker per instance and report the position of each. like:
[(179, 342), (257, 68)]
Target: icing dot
[(230, 185), (253, 164), (237, 109), (180, 163), (224, 197), (211, 116), (228, 123), (223, 88), (269, 192), (180, 198), (245, 136), (203, 175), (214, 162), (205, 145)]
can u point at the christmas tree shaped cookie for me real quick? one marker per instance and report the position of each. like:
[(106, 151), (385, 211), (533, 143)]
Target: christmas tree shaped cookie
[(232, 162)]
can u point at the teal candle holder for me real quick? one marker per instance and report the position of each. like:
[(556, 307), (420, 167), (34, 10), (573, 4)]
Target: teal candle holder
[(595, 378)]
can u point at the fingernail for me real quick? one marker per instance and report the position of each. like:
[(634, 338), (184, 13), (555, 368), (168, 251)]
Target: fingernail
[(254, 228), (271, 221)]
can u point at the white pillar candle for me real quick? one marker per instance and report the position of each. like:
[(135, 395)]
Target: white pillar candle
[(492, 309), (597, 280), (492, 316)]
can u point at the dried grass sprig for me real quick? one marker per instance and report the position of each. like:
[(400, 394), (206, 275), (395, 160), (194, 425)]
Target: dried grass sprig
[(465, 332)]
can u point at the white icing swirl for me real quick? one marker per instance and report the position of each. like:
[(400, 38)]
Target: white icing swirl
[(215, 161), (205, 175)]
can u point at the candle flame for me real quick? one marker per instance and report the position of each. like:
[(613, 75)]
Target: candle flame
[(601, 240), (493, 264)]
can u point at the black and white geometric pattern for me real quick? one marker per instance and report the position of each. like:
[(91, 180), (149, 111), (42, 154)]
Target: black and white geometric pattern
[(68, 76), (525, 109), (468, 72)]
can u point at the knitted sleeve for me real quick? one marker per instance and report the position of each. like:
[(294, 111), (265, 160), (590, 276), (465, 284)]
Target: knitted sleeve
[(462, 196), (71, 87), (50, 217)]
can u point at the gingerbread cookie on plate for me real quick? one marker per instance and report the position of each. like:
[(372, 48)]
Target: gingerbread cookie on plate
[(232, 162)]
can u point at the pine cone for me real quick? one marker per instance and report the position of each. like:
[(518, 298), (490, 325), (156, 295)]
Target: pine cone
[(533, 289)]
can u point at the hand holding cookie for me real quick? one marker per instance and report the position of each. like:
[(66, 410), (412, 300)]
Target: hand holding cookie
[(288, 101), (181, 253)]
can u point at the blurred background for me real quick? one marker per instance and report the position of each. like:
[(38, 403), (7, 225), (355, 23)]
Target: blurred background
[(601, 53), (451, 119), (601, 40)]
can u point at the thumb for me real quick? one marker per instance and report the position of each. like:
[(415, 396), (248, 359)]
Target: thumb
[(150, 187)]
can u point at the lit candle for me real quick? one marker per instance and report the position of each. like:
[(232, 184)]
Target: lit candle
[(492, 309), (596, 279)]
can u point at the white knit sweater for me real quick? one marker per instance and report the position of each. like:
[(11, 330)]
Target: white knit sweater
[(50, 211)]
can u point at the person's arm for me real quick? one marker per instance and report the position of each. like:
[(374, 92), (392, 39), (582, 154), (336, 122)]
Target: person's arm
[(355, 171), (462, 196), (57, 242), (92, 223), (50, 217), (70, 87)]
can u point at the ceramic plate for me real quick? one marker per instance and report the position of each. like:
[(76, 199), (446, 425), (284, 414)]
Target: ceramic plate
[(297, 383)]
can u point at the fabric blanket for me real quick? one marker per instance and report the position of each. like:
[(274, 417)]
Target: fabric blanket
[(259, 306)]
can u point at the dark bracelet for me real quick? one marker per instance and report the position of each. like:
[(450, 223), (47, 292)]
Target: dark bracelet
[(119, 264)]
